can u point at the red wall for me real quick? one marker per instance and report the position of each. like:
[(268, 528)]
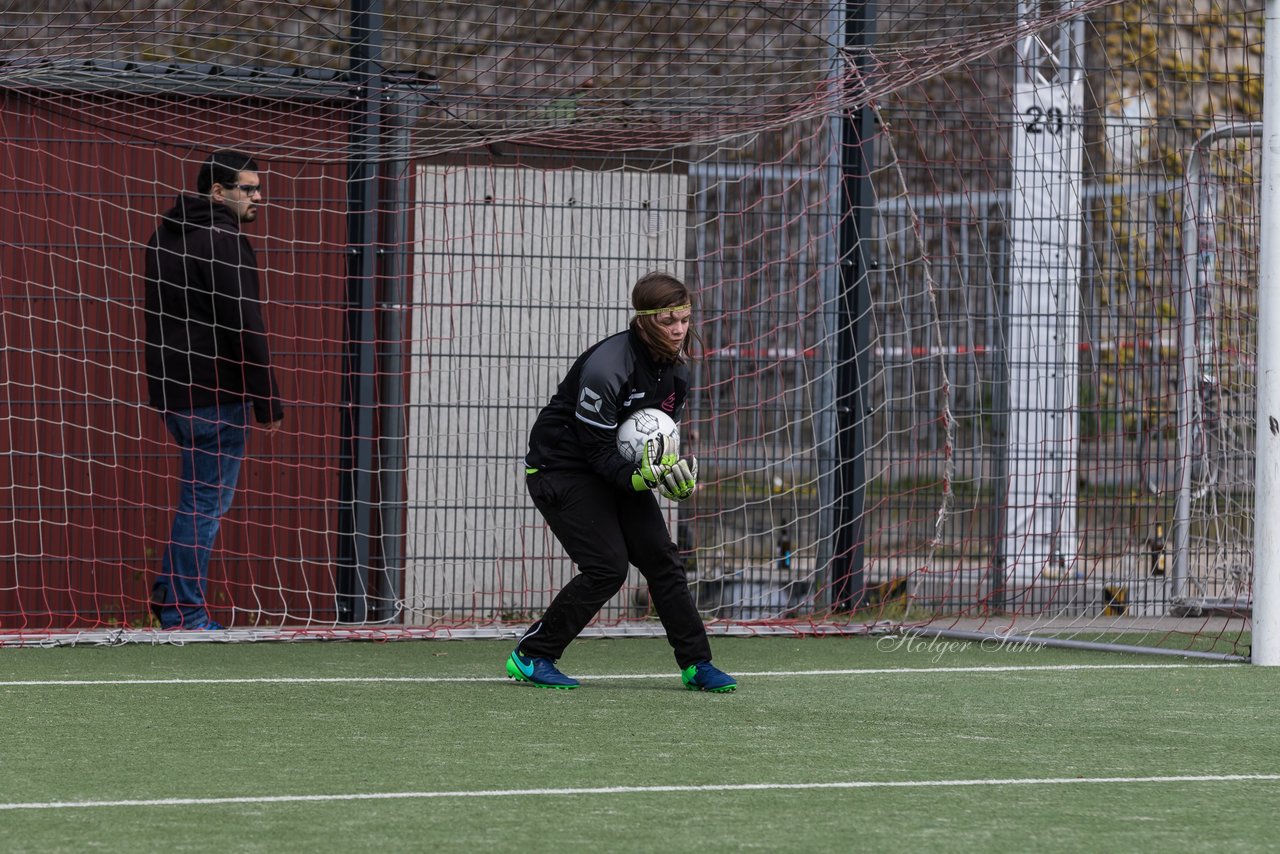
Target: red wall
[(87, 475)]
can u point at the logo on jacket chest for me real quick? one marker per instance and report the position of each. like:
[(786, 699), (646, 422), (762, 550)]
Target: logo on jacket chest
[(667, 405)]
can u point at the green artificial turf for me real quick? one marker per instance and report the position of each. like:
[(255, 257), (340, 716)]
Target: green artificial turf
[(470, 761)]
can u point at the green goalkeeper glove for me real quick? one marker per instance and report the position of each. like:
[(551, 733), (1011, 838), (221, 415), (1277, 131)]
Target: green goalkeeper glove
[(680, 480), (651, 470)]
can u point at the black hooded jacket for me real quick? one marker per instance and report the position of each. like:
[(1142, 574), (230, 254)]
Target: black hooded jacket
[(206, 342), (578, 429)]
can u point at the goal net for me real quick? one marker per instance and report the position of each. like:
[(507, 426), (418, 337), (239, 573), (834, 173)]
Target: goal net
[(958, 371)]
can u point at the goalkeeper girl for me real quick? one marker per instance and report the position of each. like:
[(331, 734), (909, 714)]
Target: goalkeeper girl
[(601, 506)]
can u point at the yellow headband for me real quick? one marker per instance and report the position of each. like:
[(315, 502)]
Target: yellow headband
[(647, 311)]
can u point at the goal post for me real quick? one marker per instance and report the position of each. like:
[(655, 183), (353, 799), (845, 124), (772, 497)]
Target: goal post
[(1266, 564), (1212, 472)]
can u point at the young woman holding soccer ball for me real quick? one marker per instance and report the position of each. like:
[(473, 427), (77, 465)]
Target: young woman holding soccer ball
[(600, 505)]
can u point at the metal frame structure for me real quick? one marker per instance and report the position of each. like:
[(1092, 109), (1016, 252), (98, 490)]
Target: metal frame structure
[(1190, 410)]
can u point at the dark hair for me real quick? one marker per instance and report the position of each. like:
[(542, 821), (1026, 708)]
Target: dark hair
[(223, 167), (653, 291)]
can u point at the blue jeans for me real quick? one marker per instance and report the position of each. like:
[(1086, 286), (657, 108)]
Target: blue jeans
[(211, 440)]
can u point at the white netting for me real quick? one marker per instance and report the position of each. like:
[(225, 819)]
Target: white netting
[(458, 196)]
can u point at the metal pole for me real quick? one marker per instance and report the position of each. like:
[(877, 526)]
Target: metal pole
[(1031, 641), (359, 424), (1266, 537), (394, 305), (997, 574), (853, 369)]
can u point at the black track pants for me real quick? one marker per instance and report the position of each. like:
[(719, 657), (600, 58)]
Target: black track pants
[(604, 529)]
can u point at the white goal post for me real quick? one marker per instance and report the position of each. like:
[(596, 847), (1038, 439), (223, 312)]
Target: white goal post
[(1266, 574)]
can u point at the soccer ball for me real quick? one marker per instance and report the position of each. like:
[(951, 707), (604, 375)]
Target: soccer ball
[(645, 424)]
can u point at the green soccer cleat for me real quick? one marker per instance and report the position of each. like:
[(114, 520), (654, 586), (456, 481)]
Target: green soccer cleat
[(541, 672), (705, 676)]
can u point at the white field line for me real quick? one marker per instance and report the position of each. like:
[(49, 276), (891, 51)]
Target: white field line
[(637, 790), (606, 677)]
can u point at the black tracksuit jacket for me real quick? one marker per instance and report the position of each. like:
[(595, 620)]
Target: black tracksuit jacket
[(577, 430), (206, 341)]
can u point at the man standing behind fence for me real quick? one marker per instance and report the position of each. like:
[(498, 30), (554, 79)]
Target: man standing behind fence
[(207, 361)]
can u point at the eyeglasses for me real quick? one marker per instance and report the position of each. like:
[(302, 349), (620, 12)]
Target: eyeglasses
[(249, 189)]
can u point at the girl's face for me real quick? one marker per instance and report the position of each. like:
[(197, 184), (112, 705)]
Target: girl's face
[(673, 326)]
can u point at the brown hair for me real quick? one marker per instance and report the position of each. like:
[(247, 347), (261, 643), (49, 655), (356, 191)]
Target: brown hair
[(658, 291)]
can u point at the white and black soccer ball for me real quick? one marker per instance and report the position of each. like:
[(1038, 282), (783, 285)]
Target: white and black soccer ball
[(645, 424)]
